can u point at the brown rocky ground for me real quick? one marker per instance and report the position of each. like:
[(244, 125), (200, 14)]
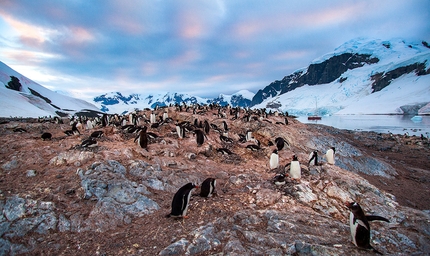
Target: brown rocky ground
[(57, 181)]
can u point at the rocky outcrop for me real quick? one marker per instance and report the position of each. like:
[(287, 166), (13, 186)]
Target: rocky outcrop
[(318, 73)]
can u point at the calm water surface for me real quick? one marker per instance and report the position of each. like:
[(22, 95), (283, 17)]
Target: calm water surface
[(397, 124)]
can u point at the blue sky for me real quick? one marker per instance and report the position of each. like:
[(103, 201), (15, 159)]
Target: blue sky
[(87, 48)]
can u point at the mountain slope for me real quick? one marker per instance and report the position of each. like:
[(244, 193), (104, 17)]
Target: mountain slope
[(26, 98), (360, 77)]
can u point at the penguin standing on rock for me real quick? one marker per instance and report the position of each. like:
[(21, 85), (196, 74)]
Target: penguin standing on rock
[(330, 155), (295, 169), (208, 187), (274, 160), (181, 200), (359, 226)]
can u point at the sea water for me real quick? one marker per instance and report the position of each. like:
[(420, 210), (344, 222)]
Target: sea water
[(397, 124)]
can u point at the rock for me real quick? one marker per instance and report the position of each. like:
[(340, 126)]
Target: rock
[(177, 248), (14, 208), (10, 165), (31, 173), (266, 197)]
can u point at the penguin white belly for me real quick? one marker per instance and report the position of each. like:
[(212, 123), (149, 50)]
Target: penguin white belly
[(295, 171), (274, 161), (185, 202), (310, 157), (178, 131), (353, 227), (330, 156)]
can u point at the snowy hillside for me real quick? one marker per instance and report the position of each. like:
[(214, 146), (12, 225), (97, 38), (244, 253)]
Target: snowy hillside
[(395, 74), (116, 102), (34, 100)]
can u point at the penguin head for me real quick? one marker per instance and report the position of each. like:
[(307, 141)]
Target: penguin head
[(353, 206), (275, 151), (295, 158)]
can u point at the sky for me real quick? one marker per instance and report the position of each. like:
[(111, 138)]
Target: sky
[(201, 47)]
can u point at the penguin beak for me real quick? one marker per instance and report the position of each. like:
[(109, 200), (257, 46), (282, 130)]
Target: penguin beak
[(349, 205)]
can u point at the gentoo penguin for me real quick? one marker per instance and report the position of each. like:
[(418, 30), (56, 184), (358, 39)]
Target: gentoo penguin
[(206, 127), (180, 131), (248, 135), (208, 187), (96, 134), (225, 126), (224, 151), (165, 116), (180, 201), (46, 136), (253, 147), (274, 160), (295, 170), (142, 138), (359, 226), (152, 118), (19, 130), (89, 143), (200, 137), (313, 158), (225, 139), (279, 179), (280, 143), (330, 155)]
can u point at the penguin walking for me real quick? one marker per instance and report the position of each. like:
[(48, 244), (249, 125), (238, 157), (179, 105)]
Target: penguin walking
[(295, 169), (274, 160), (142, 138), (313, 158), (208, 187), (330, 155), (359, 226), (181, 200), (200, 137)]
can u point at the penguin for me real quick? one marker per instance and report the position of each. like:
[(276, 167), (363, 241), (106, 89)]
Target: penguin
[(206, 127), (295, 170), (96, 134), (224, 151), (279, 179), (200, 137), (180, 201), (180, 131), (280, 143), (330, 155), (208, 187), (46, 136), (225, 139), (225, 126), (274, 160), (21, 130), (89, 143), (142, 138), (313, 158), (248, 135), (359, 226), (253, 147), (165, 116), (152, 118)]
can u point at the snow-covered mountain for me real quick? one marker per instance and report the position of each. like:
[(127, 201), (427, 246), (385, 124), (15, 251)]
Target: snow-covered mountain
[(21, 97), (360, 77), (116, 102)]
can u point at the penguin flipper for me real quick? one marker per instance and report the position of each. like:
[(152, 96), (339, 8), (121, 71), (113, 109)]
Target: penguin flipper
[(375, 217)]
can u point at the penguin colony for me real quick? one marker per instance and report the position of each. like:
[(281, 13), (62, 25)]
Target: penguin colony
[(138, 123)]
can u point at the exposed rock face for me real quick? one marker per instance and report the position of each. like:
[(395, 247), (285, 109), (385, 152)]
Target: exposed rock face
[(113, 199), (320, 73)]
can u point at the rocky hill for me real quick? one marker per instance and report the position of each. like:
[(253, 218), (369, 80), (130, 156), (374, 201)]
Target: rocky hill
[(60, 198)]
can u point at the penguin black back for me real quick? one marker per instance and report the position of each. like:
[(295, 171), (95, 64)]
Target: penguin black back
[(143, 139), (180, 201), (208, 187), (359, 226), (200, 137)]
